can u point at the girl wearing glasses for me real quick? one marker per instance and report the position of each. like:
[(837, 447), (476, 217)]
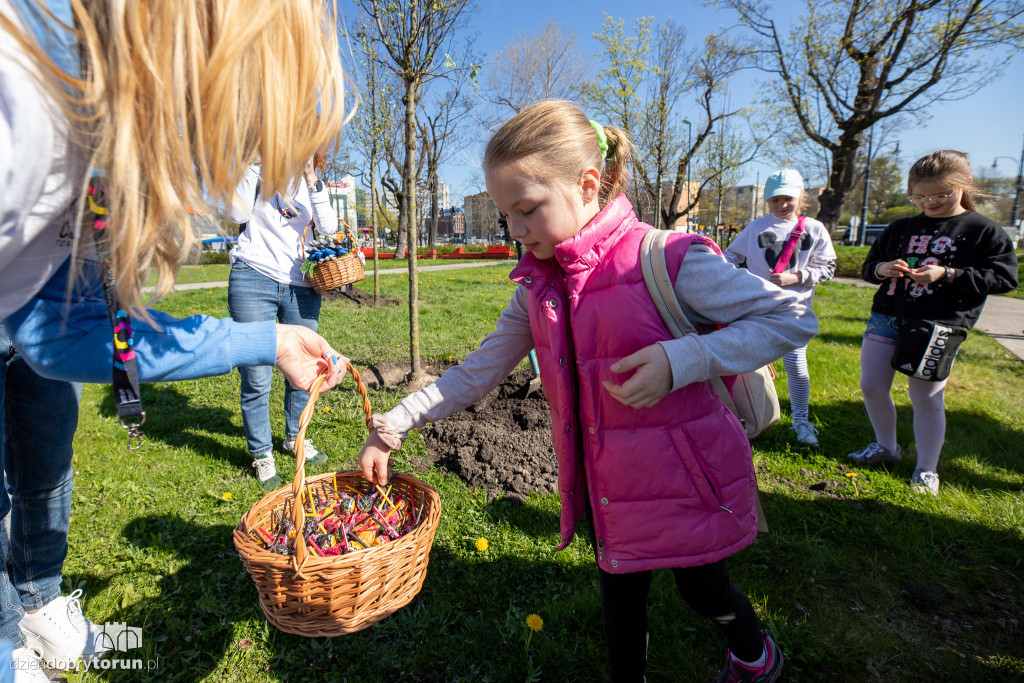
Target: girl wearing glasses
[(951, 258)]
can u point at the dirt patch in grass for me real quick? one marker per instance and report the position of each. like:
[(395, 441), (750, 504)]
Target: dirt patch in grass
[(501, 444)]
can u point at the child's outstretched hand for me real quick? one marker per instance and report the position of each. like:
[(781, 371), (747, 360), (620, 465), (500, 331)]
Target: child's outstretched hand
[(653, 378), (374, 458)]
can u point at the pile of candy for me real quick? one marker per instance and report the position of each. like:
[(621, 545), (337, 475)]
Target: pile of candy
[(325, 249), (338, 523)]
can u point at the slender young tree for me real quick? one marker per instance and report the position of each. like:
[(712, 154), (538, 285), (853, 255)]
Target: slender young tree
[(850, 63), (413, 37), (370, 131)]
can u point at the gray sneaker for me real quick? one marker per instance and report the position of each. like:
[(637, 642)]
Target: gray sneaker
[(266, 472), (874, 454), (924, 482), (805, 432), (313, 456)]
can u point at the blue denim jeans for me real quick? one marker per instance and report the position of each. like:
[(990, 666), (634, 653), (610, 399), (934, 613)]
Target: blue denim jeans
[(39, 421), (253, 297)]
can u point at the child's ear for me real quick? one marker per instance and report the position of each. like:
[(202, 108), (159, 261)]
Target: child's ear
[(590, 184)]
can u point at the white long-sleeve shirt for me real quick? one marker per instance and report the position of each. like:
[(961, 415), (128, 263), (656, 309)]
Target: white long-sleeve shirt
[(272, 243), (760, 244)]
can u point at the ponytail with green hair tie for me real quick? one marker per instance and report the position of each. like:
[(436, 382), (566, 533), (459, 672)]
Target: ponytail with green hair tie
[(602, 139)]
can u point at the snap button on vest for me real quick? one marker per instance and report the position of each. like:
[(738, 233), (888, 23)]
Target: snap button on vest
[(552, 303), (615, 563), (527, 279), (590, 429), (561, 361), (604, 501)]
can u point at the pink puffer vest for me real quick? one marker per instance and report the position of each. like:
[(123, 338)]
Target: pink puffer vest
[(669, 486)]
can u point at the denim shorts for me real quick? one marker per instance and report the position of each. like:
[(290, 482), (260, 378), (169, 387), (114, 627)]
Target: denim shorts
[(881, 328)]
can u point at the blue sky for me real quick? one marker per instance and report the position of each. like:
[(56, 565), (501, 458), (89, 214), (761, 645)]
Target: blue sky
[(989, 123)]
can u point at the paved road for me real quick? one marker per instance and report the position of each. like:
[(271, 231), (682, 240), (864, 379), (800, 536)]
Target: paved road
[(1002, 319)]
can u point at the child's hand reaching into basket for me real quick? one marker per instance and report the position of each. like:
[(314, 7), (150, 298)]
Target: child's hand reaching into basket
[(374, 459)]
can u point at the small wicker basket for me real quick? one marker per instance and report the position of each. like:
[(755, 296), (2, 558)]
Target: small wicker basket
[(330, 596), (333, 274)]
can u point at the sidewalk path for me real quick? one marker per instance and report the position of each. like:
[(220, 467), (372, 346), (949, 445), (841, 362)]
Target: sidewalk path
[(1002, 318), (369, 273)]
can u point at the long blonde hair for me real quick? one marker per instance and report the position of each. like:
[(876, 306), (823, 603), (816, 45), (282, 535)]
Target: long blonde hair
[(556, 141), (177, 98)]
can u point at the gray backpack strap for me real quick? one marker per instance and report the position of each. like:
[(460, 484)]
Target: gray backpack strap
[(659, 284)]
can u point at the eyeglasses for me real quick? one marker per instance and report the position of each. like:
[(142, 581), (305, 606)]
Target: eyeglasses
[(930, 199)]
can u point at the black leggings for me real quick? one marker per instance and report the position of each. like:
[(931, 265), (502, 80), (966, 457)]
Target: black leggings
[(706, 589)]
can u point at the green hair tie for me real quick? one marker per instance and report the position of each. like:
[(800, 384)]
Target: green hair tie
[(602, 139)]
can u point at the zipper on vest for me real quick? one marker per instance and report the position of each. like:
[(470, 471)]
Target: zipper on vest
[(600, 549)]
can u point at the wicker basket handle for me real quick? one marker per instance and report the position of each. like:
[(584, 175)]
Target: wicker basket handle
[(299, 482)]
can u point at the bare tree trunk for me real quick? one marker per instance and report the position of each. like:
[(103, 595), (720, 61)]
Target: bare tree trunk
[(841, 178), (411, 92), (433, 210), (373, 229)]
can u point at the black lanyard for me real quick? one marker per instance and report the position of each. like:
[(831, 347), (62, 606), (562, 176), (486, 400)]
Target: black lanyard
[(126, 372)]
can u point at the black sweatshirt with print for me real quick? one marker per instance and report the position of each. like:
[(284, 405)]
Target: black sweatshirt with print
[(975, 246)]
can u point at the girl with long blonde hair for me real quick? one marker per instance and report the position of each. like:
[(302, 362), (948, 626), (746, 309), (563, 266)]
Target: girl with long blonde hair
[(167, 103)]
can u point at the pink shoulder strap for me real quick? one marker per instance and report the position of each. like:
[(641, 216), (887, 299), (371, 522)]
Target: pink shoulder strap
[(787, 251)]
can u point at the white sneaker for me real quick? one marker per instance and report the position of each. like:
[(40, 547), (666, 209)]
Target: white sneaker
[(61, 634), (924, 482), (27, 666), (805, 432), (313, 456), (266, 472)]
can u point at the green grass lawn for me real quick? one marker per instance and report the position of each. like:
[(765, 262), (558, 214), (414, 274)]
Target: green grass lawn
[(859, 579)]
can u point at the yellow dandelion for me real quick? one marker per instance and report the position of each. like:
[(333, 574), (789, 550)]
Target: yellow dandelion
[(534, 622), (481, 544), (327, 409), (852, 474), (227, 495)]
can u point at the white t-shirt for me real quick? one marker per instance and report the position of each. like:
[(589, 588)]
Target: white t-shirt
[(272, 243)]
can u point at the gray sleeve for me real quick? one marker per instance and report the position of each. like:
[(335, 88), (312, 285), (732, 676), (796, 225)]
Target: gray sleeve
[(471, 380), (762, 321)]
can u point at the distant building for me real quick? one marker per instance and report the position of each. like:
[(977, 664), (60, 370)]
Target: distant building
[(444, 196), (645, 208), (343, 199), (481, 216), (743, 203)]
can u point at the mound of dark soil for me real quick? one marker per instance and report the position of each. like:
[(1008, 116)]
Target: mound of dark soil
[(502, 443)]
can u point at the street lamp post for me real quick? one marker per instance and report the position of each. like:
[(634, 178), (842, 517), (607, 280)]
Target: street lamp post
[(862, 229), (1015, 213), (689, 152)]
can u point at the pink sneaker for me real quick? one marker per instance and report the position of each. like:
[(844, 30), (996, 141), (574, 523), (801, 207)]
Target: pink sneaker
[(734, 672)]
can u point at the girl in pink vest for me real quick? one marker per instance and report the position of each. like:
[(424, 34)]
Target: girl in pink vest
[(648, 455)]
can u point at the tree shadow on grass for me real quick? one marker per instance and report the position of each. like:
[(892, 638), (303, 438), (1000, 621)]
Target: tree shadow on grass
[(866, 589), (854, 588), (180, 420), (844, 428)]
